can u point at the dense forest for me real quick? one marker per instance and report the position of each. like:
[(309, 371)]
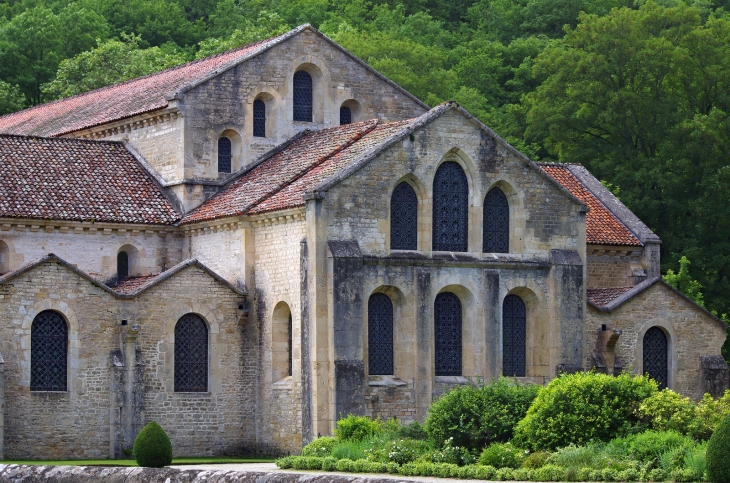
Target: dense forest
[(636, 90)]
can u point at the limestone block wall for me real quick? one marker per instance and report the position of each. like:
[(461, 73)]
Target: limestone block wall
[(223, 248), (691, 332), (277, 293), (92, 247), (541, 216), (613, 266), (223, 105), (76, 423), (397, 402)]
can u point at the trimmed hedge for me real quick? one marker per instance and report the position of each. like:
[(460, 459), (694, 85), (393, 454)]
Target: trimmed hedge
[(718, 453), (152, 447)]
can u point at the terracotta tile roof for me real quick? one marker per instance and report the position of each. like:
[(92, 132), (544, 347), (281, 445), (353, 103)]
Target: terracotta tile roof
[(602, 227), (73, 179), (119, 101), (604, 296), (130, 284), (280, 181)]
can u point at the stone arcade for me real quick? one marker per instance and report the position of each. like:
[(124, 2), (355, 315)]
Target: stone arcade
[(247, 246)]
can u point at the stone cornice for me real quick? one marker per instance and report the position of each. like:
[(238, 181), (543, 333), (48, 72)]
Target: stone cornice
[(85, 227), (127, 125)]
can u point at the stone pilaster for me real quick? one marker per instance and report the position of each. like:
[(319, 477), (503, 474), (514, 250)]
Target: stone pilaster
[(2, 408), (127, 393)]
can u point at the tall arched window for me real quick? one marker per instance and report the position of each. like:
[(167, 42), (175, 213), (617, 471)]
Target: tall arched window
[(191, 354), (450, 208), (496, 222), (403, 218), (48, 352), (302, 96), (656, 356), (122, 265), (514, 337), (380, 335), (447, 328), (345, 115), (259, 118), (225, 153)]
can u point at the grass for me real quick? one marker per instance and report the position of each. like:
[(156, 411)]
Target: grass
[(175, 461)]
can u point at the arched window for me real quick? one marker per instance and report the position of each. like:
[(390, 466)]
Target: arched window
[(191, 354), (514, 337), (450, 208), (225, 153), (345, 115), (259, 118), (122, 265), (656, 356), (380, 335), (302, 96), (48, 352), (403, 218), (447, 328), (496, 222)]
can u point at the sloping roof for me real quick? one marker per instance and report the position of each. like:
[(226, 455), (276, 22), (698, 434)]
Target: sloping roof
[(281, 180), (134, 285), (604, 296), (602, 226), (77, 180)]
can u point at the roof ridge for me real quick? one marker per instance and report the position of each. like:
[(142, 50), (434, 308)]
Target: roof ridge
[(372, 124), (71, 140)]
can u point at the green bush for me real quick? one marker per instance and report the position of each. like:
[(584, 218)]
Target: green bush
[(477, 416), (344, 465), (522, 474), (649, 446), (285, 463), (486, 472), (710, 413), (501, 455), (456, 455), (321, 447), (549, 473), (415, 430), (695, 461), (504, 474), (400, 451), (718, 453), (356, 428), (350, 450), (152, 447), (535, 460), (657, 474), (668, 411), (328, 464), (577, 408)]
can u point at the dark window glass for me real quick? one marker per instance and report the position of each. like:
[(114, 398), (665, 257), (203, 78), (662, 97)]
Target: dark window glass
[(122, 265), (380, 334), (496, 222), (447, 327), (403, 218), (514, 337), (450, 208), (259, 118), (48, 349), (302, 96), (191, 354), (345, 115), (656, 356), (224, 155), (290, 344)]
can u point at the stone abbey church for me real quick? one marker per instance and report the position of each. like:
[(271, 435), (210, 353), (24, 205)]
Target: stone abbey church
[(247, 246)]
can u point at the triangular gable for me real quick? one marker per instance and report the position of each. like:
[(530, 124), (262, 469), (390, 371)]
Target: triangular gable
[(148, 283)]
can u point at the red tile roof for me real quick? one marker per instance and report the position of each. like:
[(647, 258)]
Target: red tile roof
[(122, 100), (602, 227), (73, 179), (130, 284), (604, 296), (279, 182)]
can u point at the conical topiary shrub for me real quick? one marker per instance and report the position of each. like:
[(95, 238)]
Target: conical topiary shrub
[(152, 447), (718, 449)]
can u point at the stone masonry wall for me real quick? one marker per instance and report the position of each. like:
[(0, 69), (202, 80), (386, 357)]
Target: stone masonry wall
[(222, 248), (92, 247), (691, 332), (75, 423), (612, 267)]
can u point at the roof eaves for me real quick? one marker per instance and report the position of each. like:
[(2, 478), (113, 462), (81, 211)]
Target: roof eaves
[(620, 211)]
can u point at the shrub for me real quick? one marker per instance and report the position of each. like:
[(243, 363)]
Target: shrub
[(328, 464), (320, 447), (718, 449), (666, 410), (485, 472), (649, 446), (477, 416), (710, 413), (350, 450), (549, 473), (695, 461), (392, 467), (415, 430), (504, 474), (344, 465), (585, 474), (360, 466), (468, 472), (657, 474), (285, 463), (501, 455), (577, 408), (400, 451), (356, 428), (629, 474), (152, 447), (535, 460)]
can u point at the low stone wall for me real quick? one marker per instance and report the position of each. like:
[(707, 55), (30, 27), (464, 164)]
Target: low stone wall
[(83, 474)]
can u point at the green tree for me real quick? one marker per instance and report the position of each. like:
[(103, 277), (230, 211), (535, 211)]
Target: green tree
[(684, 283), (110, 62), (11, 99)]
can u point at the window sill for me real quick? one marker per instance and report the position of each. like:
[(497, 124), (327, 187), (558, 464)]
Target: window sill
[(452, 380), (386, 381), (285, 383), (192, 394)]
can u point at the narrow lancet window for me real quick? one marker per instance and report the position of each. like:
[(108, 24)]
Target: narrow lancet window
[(656, 356), (447, 327), (496, 222), (302, 96), (514, 337), (345, 115), (403, 218), (380, 335), (191, 354), (225, 154), (48, 352), (259, 118), (450, 208)]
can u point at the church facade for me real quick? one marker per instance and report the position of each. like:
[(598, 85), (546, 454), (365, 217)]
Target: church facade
[(247, 246)]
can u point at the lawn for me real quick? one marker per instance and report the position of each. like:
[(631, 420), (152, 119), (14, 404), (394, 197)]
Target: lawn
[(175, 461)]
